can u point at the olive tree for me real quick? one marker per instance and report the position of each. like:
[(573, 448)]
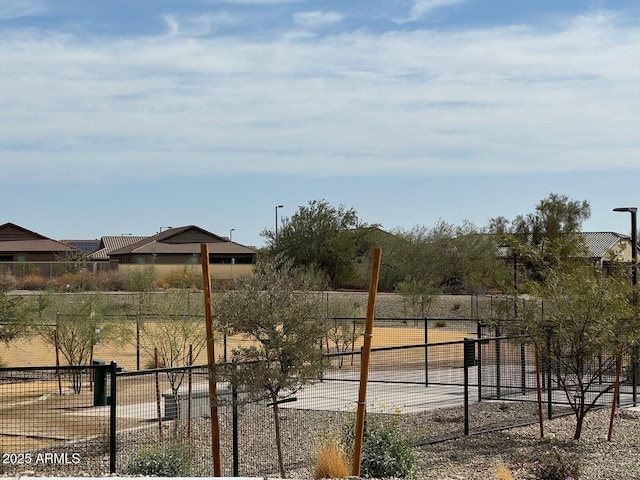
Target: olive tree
[(283, 320)]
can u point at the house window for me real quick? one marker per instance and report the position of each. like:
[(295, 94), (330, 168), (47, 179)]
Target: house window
[(21, 258)]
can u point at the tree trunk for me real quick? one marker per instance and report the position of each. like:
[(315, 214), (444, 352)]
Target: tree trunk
[(579, 421), (276, 421)]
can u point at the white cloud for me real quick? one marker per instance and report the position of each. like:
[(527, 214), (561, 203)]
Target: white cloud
[(10, 9), (196, 25), (316, 19), (504, 100), (422, 7)]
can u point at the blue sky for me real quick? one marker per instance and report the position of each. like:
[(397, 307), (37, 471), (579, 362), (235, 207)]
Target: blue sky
[(128, 116)]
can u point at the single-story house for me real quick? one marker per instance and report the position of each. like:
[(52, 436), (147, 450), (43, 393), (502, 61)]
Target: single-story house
[(608, 248), (177, 247), (17, 244)]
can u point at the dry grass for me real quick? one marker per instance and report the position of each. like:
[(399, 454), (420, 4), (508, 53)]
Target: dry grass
[(331, 461), (502, 472)]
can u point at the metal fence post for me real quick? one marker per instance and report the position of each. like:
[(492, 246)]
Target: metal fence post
[(479, 327), (112, 420), (468, 347), (498, 360), (426, 352), (234, 425)]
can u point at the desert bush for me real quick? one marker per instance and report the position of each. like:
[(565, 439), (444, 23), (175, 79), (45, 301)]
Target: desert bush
[(331, 460), (502, 472), (140, 279), (557, 466), (32, 282), (7, 280), (81, 281), (173, 459), (386, 451), (110, 281), (186, 277)]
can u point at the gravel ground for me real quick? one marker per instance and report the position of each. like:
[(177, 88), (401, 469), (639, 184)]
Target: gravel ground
[(471, 458)]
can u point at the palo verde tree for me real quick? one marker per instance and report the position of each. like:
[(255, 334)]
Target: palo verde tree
[(284, 320), (12, 317), (541, 240), (319, 236), (75, 323), (343, 329), (174, 333), (582, 323)]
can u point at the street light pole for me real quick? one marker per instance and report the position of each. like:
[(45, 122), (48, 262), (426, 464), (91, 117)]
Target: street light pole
[(634, 241), (277, 207), (634, 281)]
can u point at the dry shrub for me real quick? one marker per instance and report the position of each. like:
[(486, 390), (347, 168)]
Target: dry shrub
[(331, 461), (32, 282), (502, 472)]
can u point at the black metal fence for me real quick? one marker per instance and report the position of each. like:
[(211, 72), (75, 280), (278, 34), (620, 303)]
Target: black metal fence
[(97, 418)]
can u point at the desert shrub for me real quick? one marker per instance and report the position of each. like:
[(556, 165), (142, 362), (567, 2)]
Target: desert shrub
[(557, 466), (502, 472), (173, 459), (111, 281), (331, 461), (386, 451), (32, 282), (81, 281), (140, 279), (186, 277), (7, 280)]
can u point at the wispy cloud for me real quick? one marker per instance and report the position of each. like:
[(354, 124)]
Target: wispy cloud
[(196, 25), (420, 102), (422, 7), (10, 9), (316, 19)]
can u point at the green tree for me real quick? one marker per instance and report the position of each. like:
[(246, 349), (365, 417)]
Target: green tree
[(444, 258), (542, 240), (285, 323), (320, 236), (76, 322), (175, 334), (12, 317), (343, 329), (581, 322)]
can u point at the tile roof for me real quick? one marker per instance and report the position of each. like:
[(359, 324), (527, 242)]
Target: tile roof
[(110, 244), (600, 243), (170, 241)]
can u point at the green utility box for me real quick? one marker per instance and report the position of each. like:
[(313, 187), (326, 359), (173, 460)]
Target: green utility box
[(99, 383)]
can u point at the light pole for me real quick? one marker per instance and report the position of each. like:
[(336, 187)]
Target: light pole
[(634, 282), (634, 242), (231, 233), (277, 207)]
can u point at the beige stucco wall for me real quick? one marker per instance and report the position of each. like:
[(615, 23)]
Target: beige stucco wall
[(227, 271), (622, 251)]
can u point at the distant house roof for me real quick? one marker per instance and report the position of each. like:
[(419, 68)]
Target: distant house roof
[(109, 244), (599, 244), (17, 239), (183, 240)]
